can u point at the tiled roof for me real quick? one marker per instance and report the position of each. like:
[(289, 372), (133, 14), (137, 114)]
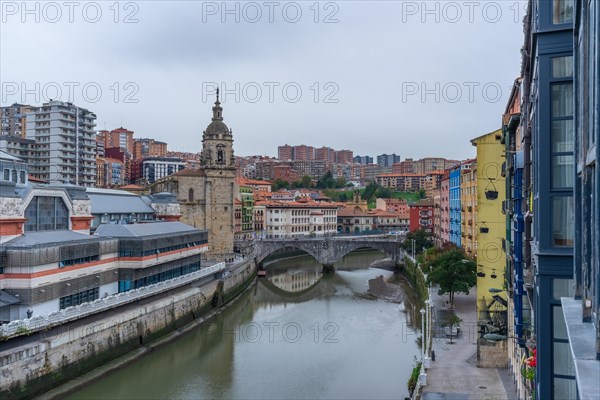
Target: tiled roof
[(298, 204)]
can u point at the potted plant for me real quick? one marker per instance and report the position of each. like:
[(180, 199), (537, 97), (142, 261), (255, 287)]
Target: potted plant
[(491, 193)]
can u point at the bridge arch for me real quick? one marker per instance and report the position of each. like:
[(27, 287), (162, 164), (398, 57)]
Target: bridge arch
[(327, 251), (265, 252)]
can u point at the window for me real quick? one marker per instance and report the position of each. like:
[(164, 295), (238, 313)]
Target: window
[(191, 195), (46, 213), (562, 11), (562, 221), (79, 298)]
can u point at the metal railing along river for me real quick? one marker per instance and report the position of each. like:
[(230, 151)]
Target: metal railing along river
[(41, 322)]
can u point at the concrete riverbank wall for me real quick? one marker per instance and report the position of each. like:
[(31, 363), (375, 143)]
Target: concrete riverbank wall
[(70, 350)]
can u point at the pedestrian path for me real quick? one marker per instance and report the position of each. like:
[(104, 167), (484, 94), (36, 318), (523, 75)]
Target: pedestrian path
[(454, 374)]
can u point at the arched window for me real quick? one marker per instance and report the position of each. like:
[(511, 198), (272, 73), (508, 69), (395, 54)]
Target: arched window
[(46, 213), (191, 195)]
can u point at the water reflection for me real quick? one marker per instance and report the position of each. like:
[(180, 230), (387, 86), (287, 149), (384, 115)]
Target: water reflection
[(295, 279), (312, 336)]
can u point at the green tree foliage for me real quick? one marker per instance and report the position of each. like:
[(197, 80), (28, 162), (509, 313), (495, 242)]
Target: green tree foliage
[(327, 181), (280, 184), (369, 191), (453, 273), (421, 238), (306, 182), (384, 193), (453, 321)]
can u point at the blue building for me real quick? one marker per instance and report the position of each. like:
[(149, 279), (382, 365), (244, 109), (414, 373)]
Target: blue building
[(547, 119), (454, 205), (582, 311)]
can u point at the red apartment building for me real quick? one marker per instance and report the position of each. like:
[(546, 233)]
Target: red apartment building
[(421, 216)]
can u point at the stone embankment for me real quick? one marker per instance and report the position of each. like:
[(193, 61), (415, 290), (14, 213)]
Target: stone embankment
[(33, 365)]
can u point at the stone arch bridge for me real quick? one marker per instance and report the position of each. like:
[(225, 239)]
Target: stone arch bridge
[(328, 251)]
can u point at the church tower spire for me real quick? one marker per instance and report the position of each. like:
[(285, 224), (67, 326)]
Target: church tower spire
[(217, 141), (217, 109)]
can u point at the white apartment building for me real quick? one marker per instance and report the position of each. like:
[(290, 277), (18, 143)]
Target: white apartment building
[(65, 143), (300, 218)]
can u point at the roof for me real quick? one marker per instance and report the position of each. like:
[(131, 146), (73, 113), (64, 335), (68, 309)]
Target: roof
[(141, 230), (246, 181), (402, 175), (7, 299), (132, 186), (478, 138), (352, 212), (121, 202), (48, 237), (189, 172), (7, 156), (422, 203), (298, 204)]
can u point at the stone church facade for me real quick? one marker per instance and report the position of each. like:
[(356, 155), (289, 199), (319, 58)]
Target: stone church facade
[(207, 195)]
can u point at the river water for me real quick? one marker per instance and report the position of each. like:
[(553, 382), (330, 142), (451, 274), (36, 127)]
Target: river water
[(296, 334)]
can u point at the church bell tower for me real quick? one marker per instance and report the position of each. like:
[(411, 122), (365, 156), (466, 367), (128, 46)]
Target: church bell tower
[(218, 163)]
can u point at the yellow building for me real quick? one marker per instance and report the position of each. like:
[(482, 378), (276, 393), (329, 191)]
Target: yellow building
[(468, 202), (491, 258)]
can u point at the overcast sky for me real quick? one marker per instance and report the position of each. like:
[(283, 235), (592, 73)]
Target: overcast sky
[(415, 78)]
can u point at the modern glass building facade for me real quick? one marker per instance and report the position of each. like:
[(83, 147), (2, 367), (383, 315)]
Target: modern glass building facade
[(582, 311), (547, 120)]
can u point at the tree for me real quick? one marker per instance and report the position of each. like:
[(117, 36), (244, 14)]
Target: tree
[(453, 321), (422, 193), (327, 181), (340, 182), (306, 182), (421, 238), (384, 193), (280, 184), (369, 191), (453, 273)]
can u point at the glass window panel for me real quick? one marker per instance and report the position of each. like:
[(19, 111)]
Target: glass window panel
[(562, 288), (563, 172), (563, 360), (565, 388), (562, 136), (562, 11), (562, 67), (562, 100), (562, 221), (559, 326)]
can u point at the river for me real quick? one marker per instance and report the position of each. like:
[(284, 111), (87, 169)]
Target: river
[(295, 334)]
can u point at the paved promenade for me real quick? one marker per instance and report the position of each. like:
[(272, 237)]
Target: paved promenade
[(454, 374)]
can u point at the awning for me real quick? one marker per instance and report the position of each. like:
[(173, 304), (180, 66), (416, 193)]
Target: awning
[(7, 299)]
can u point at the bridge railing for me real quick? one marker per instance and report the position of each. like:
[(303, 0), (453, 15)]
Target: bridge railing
[(40, 322)]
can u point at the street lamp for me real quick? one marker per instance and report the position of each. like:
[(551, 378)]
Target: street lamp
[(423, 333), (423, 374), (426, 359)]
